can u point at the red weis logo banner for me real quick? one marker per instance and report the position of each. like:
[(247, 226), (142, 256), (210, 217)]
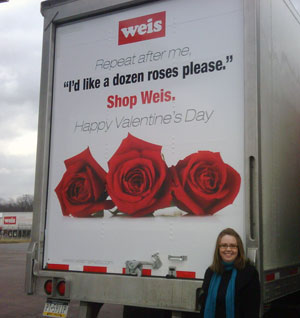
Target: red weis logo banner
[(143, 28), (10, 220)]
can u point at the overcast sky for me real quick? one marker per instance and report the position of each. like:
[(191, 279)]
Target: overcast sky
[(20, 60)]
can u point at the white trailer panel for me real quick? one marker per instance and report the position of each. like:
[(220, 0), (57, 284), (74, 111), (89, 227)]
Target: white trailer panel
[(195, 71)]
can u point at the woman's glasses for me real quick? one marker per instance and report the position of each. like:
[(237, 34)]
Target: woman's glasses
[(225, 246)]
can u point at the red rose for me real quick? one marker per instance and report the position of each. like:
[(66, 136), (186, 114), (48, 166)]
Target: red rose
[(204, 184), (81, 191), (138, 179)]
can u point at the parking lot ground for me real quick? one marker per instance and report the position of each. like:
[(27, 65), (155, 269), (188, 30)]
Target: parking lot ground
[(14, 303)]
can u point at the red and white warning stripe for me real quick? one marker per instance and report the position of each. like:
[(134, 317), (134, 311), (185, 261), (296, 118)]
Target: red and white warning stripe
[(103, 269), (282, 273)]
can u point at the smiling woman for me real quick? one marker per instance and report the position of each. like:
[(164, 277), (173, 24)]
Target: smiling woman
[(231, 284)]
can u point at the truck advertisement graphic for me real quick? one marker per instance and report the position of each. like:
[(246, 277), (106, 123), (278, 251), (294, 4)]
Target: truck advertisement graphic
[(147, 137)]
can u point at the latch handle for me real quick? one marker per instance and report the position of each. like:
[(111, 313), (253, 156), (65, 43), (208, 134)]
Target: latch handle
[(177, 258), (135, 267)]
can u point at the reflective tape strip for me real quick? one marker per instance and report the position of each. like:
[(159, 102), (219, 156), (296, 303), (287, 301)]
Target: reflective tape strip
[(185, 274), (282, 273), (103, 269), (59, 267), (95, 269), (75, 267), (272, 276), (146, 272)]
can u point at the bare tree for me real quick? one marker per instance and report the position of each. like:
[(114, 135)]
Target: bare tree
[(24, 203)]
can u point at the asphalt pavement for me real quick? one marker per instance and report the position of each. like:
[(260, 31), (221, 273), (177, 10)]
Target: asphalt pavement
[(14, 303)]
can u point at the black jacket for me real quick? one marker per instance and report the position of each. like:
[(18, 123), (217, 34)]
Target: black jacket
[(247, 292)]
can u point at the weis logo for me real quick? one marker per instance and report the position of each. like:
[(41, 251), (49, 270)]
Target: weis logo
[(10, 220), (143, 28)]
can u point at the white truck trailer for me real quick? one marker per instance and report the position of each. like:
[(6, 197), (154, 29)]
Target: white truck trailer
[(160, 124), (15, 224)]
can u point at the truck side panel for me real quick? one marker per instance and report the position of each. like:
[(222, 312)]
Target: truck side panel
[(280, 135), (280, 146)]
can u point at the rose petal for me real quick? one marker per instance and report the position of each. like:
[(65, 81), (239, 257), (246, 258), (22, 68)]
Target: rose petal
[(203, 183), (137, 180), (81, 191), (132, 143)]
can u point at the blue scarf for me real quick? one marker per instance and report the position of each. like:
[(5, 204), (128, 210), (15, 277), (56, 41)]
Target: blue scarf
[(210, 304)]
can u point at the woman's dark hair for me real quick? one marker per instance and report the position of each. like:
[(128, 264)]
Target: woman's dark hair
[(239, 262)]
